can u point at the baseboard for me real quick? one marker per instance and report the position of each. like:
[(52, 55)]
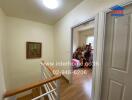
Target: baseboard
[(66, 79)]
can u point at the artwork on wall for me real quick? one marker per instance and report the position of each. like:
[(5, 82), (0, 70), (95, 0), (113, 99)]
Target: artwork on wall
[(33, 50)]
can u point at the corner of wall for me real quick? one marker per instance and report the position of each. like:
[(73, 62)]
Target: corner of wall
[(2, 33)]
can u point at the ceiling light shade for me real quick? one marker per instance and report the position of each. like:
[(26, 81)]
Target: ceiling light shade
[(51, 4)]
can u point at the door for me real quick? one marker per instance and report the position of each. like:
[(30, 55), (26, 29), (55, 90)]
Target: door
[(117, 66)]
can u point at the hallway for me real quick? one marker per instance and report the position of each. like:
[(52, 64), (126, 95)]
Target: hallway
[(33, 31)]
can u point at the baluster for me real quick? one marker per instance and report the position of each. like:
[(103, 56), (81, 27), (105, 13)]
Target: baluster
[(58, 89)]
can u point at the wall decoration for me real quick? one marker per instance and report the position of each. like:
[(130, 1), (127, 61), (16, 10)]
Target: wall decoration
[(33, 50)]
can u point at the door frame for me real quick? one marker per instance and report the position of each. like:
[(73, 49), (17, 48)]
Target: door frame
[(99, 35), (100, 51), (95, 19)]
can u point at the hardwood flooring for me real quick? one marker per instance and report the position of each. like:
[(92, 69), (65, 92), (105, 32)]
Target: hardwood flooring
[(80, 89)]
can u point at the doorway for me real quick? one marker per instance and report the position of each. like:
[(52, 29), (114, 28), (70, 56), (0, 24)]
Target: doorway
[(117, 70), (83, 40)]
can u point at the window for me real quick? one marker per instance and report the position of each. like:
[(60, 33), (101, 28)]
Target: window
[(90, 39)]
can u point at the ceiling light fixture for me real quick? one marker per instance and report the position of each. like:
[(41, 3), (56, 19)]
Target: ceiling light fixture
[(51, 4)]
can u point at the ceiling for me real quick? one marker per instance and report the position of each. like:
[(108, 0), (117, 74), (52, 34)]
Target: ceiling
[(36, 11)]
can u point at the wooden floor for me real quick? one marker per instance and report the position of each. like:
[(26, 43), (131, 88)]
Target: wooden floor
[(80, 89)]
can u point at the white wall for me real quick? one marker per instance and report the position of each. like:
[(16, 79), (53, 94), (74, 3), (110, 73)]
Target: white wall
[(2, 32), (79, 37), (17, 69), (75, 39), (83, 36), (20, 70), (84, 11), (80, 34)]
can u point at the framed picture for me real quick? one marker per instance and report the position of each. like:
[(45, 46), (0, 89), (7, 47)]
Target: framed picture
[(33, 50)]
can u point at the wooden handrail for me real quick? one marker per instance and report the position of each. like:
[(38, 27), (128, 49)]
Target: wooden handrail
[(30, 86), (51, 69)]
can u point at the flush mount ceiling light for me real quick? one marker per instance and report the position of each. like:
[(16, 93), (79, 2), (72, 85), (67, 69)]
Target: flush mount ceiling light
[(51, 4)]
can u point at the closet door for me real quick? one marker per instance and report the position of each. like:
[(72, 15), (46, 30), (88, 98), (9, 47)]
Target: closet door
[(117, 67)]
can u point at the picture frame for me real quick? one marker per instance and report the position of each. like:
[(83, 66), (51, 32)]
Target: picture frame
[(33, 50)]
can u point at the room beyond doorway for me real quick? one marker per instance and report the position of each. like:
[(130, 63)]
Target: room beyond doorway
[(82, 55)]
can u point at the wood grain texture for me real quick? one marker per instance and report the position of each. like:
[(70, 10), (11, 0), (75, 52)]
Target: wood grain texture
[(79, 90), (30, 86)]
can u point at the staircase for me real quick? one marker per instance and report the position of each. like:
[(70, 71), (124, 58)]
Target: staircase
[(48, 88)]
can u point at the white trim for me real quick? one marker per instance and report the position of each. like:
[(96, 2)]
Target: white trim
[(94, 81), (99, 51), (95, 53), (100, 21), (72, 30), (98, 54), (98, 71), (43, 94)]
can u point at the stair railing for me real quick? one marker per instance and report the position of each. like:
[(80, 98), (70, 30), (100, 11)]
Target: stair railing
[(49, 81)]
